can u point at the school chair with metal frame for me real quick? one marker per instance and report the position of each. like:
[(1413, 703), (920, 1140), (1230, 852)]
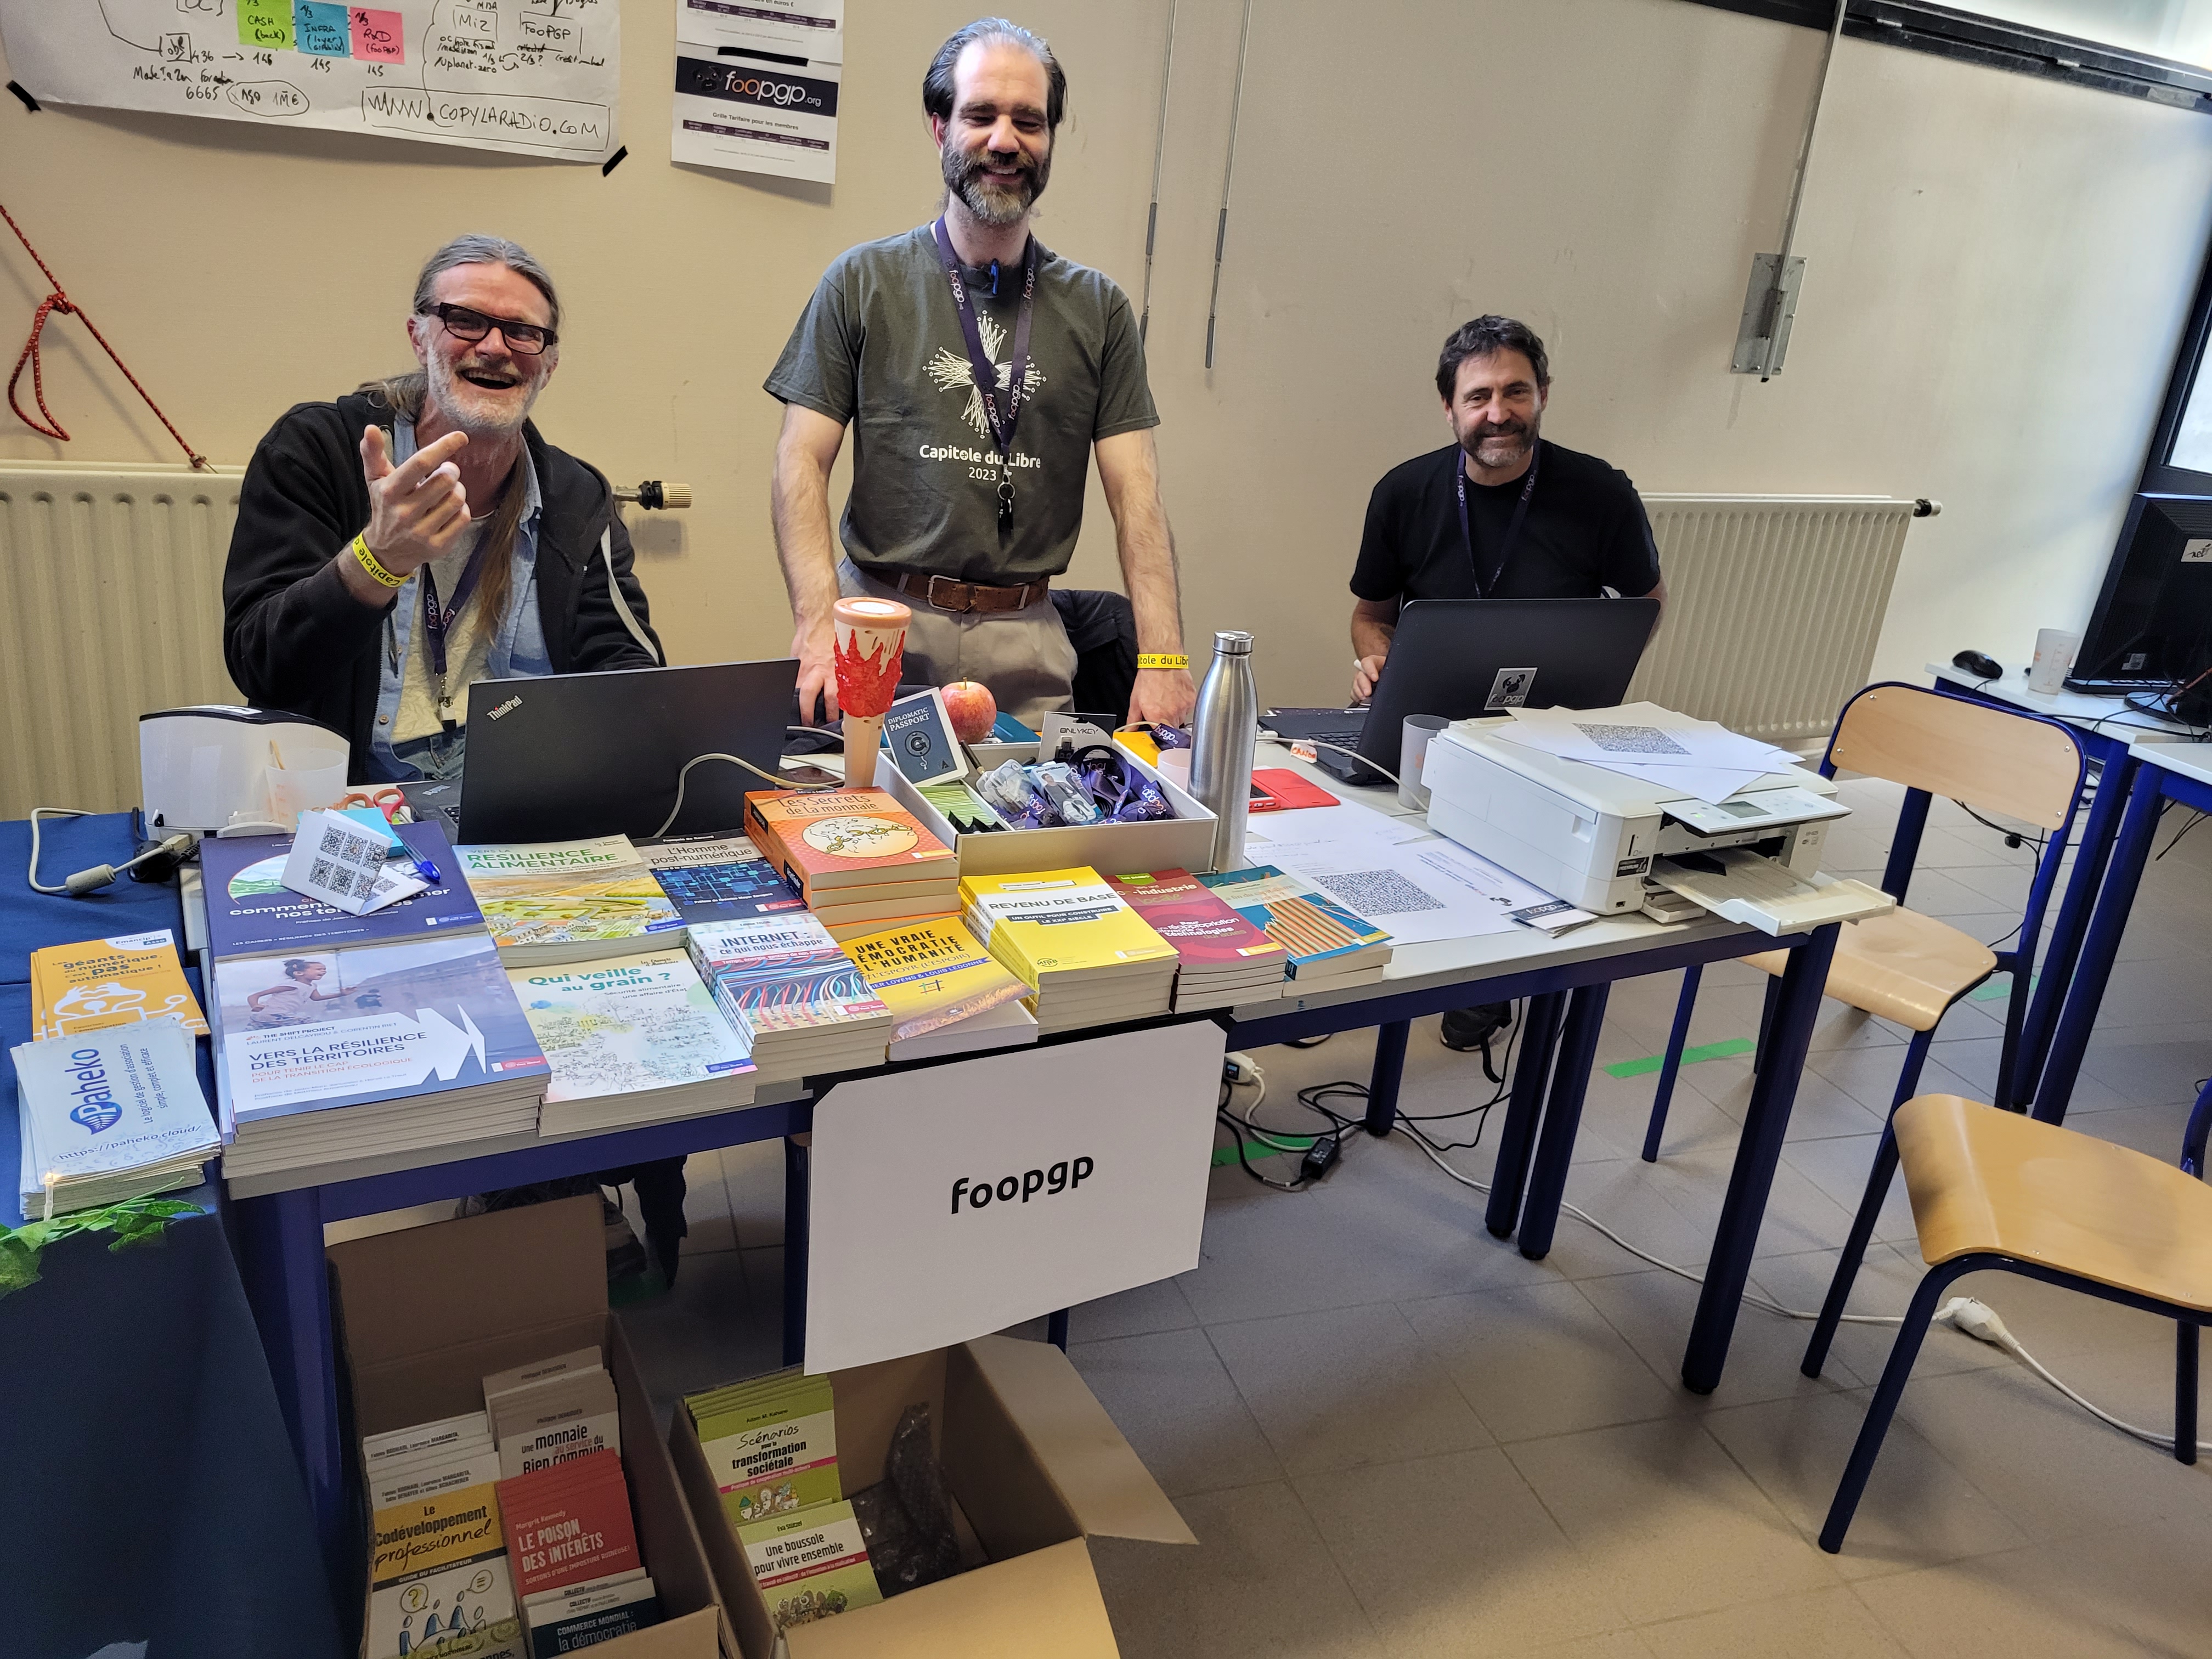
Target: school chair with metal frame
[(1907, 967), (1997, 1191)]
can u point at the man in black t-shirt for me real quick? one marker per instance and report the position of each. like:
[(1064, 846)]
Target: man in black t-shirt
[(1581, 528), (1539, 522)]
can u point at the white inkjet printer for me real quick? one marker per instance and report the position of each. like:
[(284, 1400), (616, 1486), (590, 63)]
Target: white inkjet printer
[(1590, 836)]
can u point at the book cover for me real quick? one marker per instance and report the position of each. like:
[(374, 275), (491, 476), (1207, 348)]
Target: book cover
[(250, 911), (584, 1615), (438, 1568), (556, 893), (717, 878), (101, 1108), (559, 1423), (780, 973), (811, 1565), (773, 1452), (1206, 932), (1312, 927), (377, 1022), (111, 982), (1060, 921), (930, 974), (568, 1523), (615, 1028), (840, 837)]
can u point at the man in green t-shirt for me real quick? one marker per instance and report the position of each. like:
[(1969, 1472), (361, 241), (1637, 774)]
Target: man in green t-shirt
[(980, 372)]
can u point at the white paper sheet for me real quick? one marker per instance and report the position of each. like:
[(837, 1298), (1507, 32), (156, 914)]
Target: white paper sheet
[(343, 864), (1348, 821), (1641, 734), (532, 77), (804, 29), (1417, 892), (750, 114)]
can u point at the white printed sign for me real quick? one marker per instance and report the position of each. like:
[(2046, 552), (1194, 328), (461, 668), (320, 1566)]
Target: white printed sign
[(804, 29), (532, 77), (750, 114), (954, 1201)]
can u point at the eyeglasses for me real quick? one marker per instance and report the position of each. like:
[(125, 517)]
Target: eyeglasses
[(527, 339)]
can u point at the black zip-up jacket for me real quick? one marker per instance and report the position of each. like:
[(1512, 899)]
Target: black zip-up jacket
[(296, 639)]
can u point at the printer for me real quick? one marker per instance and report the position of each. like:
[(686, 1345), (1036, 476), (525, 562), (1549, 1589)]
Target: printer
[(1589, 835)]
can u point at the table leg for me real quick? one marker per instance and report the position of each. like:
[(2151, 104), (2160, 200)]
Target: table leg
[(1563, 1117), (2075, 909), (281, 1260), (1382, 1081), (795, 1154), (1539, 1035), (2085, 990), (1055, 1329), (1758, 1150)]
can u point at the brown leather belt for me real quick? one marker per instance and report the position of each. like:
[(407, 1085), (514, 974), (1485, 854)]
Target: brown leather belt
[(943, 593)]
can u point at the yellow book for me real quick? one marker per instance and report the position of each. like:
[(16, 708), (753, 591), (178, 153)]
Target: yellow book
[(932, 973), (111, 982), (1053, 924)]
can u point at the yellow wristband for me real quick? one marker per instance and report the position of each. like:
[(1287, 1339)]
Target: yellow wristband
[(1162, 659), (368, 561)]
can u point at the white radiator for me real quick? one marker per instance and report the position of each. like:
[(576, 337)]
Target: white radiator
[(110, 604), (1773, 606)]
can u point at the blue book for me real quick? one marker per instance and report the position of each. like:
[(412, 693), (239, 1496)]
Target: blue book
[(251, 913), (717, 878)]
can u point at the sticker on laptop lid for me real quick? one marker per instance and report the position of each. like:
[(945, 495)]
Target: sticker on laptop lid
[(1511, 689)]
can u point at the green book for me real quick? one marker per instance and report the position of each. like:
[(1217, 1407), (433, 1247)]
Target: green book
[(774, 1451), (811, 1565)]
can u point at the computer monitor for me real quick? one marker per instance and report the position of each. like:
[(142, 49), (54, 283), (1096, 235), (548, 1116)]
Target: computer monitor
[(567, 756), (2152, 624)]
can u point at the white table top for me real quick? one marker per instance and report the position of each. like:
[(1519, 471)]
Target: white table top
[(2109, 716), (2178, 753)]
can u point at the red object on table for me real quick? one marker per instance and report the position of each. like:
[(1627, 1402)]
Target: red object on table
[(1285, 789)]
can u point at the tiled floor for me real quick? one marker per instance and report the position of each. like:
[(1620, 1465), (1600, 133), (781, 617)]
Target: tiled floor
[(1395, 1436)]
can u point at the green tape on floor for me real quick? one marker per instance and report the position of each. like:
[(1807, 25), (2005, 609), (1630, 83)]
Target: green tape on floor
[(1724, 1050), (1261, 1149), (1999, 985)]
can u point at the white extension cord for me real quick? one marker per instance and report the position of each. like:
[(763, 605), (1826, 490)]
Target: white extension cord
[(1964, 1314)]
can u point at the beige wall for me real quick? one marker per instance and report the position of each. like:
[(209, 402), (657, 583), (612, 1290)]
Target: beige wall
[(1997, 272)]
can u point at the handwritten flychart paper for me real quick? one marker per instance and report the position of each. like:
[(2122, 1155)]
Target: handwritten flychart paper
[(531, 77)]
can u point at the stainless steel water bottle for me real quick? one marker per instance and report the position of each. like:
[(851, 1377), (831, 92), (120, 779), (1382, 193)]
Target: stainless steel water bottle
[(1223, 735)]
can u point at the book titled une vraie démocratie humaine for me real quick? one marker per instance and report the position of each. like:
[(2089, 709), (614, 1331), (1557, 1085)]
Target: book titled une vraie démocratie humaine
[(932, 974), (568, 901)]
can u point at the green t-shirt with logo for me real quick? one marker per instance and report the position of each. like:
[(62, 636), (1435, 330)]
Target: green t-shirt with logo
[(879, 348)]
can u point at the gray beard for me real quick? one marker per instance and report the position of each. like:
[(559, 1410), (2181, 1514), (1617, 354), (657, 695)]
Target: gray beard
[(990, 204), (447, 391), (1525, 441)]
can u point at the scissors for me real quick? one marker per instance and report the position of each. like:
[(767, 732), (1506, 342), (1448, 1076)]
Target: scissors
[(387, 800)]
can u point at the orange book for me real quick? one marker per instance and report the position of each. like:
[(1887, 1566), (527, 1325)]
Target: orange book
[(111, 982), (824, 841)]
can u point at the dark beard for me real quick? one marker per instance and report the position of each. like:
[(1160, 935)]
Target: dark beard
[(964, 177), (1525, 437)]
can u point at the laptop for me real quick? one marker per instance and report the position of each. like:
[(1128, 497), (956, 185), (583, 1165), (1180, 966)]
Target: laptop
[(568, 756), (1463, 657)]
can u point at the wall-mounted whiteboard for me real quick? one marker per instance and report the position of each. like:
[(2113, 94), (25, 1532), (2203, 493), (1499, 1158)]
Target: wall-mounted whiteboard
[(533, 77)]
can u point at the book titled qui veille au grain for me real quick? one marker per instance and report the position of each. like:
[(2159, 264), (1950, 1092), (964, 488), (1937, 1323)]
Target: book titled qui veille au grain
[(569, 900)]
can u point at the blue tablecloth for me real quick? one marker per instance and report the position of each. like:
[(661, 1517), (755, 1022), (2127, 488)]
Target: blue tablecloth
[(155, 1496)]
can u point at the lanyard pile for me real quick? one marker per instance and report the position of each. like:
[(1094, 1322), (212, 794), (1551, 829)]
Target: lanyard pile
[(1512, 530), (985, 372)]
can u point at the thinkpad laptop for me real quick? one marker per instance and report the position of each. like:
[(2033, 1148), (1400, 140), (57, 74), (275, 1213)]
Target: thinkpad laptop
[(1461, 658)]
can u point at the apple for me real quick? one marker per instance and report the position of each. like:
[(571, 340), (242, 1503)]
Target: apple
[(972, 709)]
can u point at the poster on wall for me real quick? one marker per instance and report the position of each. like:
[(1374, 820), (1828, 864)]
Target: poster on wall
[(749, 113), (813, 29), (530, 78)]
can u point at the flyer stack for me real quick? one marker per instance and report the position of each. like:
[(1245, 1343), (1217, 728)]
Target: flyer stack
[(108, 1115)]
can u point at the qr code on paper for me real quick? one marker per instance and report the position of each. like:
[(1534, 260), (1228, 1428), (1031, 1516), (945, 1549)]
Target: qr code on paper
[(1631, 739), (343, 881), (334, 839), (1372, 893), (320, 875), (356, 849)]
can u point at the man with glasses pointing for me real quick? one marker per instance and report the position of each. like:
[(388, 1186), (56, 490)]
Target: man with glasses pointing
[(397, 545)]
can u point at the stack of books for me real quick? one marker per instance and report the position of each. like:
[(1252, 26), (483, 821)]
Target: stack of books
[(569, 901), (1224, 959), (574, 1550), (1329, 947), (947, 994), (860, 859), (797, 1000), (438, 1566), (772, 1444), (100, 982), (403, 1017), (1088, 958), (636, 1040), (108, 1115), (717, 878), (552, 1411)]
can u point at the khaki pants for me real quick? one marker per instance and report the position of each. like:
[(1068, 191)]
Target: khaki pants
[(1023, 655)]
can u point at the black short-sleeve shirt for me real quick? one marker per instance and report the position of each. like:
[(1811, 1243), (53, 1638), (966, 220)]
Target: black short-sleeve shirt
[(1586, 531)]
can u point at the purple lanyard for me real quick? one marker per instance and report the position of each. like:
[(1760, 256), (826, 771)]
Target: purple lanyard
[(983, 370), (436, 620), (1512, 529)]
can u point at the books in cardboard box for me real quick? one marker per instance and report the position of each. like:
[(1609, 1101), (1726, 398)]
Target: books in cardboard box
[(586, 1614), (99, 982), (251, 913), (811, 1565), (1325, 940), (827, 841), (568, 1524), (717, 878), (771, 1443), (439, 1567), (555, 901), (932, 974)]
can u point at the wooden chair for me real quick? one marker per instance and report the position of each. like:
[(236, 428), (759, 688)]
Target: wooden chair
[(1906, 967), (1997, 1190)]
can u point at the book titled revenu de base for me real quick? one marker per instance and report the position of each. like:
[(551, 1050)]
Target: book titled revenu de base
[(823, 841)]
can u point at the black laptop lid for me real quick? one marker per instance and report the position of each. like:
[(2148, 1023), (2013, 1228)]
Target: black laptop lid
[(1463, 657), (565, 757)]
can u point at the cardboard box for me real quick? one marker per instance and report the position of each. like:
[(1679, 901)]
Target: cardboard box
[(1035, 1466), (425, 1315), (1184, 841)]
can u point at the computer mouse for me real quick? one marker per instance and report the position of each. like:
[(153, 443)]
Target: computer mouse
[(1974, 662)]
